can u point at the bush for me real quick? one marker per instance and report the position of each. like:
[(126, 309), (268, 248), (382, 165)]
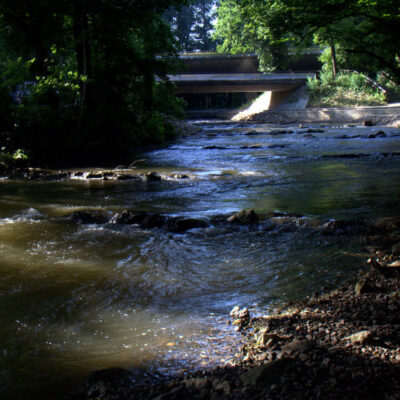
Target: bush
[(350, 88)]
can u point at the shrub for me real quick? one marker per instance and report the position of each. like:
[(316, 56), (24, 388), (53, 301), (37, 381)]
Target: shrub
[(350, 88)]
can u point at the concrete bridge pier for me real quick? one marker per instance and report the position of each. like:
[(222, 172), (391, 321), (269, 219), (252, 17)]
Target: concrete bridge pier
[(278, 97)]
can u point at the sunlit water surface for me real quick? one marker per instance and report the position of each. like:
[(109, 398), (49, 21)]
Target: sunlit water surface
[(75, 298)]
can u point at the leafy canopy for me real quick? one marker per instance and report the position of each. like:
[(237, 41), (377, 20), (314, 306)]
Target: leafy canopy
[(367, 31)]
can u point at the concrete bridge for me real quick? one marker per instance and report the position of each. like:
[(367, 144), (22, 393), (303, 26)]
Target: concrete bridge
[(222, 73), (223, 83)]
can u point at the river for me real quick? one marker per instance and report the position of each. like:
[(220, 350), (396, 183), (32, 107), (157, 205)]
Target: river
[(75, 298)]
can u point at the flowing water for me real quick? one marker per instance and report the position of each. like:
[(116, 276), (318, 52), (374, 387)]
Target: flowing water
[(75, 298)]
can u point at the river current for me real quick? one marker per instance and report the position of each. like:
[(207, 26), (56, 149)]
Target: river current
[(76, 298)]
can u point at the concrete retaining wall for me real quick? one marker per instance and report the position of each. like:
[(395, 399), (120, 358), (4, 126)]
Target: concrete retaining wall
[(381, 114), (330, 115)]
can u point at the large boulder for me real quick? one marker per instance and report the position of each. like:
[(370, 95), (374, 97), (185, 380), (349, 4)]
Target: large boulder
[(244, 217)]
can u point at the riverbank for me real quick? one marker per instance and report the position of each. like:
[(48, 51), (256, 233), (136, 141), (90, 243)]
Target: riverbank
[(343, 344), (375, 115)]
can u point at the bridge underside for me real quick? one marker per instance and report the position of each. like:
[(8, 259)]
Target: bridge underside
[(231, 83)]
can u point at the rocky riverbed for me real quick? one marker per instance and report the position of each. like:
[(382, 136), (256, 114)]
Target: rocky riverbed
[(343, 344)]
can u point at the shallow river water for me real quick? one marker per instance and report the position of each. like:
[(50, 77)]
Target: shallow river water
[(75, 298)]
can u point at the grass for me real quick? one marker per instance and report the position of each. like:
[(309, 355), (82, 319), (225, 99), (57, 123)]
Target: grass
[(349, 88)]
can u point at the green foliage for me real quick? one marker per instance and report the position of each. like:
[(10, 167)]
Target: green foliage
[(237, 33), (19, 155), (313, 83), (165, 102), (11, 159), (90, 78), (192, 25), (364, 31), (156, 130), (348, 89), (326, 58), (326, 75)]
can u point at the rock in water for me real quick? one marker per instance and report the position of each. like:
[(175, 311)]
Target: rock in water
[(89, 217), (180, 225), (129, 217), (387, 224), (241, 317), (152, 177), (126, 177), (244, 217), (153, 221), (378, 134)]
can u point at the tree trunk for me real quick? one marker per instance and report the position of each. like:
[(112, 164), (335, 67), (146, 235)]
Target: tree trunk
[(334, 61), (148, 91), (83, 57)]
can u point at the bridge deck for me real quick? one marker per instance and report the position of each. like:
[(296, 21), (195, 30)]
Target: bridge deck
[(251, 82)]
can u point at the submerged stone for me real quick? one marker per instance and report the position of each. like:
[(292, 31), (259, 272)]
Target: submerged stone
[(179, 225), (379, 134), (126, 177), (153, 221), (89, 217), (315, 130)]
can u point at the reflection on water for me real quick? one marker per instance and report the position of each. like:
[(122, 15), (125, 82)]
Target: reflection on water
[(75, 298)]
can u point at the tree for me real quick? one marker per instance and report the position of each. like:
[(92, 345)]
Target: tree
[(367, 31), (93, 70), (237, 33), (192, 24)]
